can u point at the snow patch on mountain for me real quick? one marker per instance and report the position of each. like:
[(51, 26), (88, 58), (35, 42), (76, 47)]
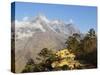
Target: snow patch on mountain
[(29, 26)]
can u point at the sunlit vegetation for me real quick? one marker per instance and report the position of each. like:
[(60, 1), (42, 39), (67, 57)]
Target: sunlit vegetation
[(80, 53), (66, 59)]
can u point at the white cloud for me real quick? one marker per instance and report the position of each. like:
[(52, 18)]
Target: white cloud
[(25, 28), (25, 18), (71, 21)]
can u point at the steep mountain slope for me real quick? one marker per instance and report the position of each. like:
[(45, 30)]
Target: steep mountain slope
[(41, 24), (37, 33), (64, 28)]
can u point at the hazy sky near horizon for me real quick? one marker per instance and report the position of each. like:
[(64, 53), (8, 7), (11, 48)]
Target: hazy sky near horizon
[(84, 17)]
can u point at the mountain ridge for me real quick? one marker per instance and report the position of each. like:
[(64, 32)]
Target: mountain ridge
[(36, 24), (32, 35)]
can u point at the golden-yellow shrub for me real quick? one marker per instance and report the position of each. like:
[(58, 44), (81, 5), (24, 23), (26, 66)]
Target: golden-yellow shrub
[(66, 58)]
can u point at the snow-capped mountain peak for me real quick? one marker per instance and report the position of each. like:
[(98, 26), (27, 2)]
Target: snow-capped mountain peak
[(40, 23), (41, 17)]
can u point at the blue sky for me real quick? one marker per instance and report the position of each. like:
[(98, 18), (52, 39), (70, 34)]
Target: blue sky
[(84, 17)]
